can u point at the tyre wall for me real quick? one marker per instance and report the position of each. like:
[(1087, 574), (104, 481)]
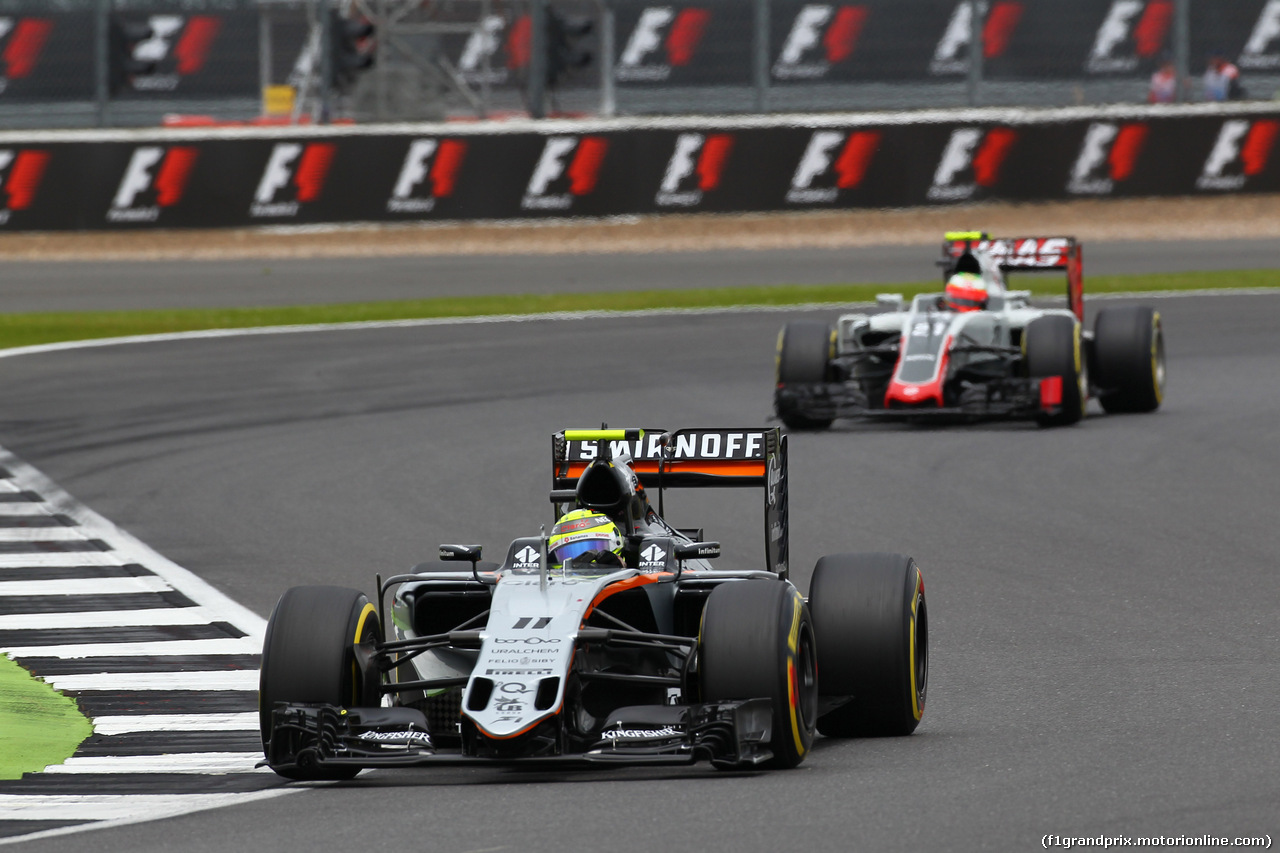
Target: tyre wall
[(392, 173)]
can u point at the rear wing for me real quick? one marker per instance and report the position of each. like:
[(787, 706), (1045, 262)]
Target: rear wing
[(691, 458), (1025, 254)]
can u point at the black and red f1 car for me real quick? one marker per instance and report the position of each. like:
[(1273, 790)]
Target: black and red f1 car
[(1009, 360), (657, 659)]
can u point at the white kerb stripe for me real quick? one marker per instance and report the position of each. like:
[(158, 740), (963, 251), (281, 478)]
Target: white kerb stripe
[(55, 560), (241, 646), (25, 510), (9, 487), (108, 619), (85, 586), (229, 679), (42, 534), (113, 807), (191, 762), (124, 724)]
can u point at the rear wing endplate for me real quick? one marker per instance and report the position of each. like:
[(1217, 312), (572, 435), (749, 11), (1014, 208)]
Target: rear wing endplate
[(1025, 254), (692, 458)]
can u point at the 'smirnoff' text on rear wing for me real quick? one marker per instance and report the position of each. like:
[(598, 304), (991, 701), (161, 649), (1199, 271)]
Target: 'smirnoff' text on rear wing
[(690, 458)]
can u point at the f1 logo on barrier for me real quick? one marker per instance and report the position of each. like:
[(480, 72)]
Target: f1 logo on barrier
[(570, 160), (482, 45), (1260, 51), (1144, 22), (1108, 154), (951, 56), (24, 40), (20, 175), (847, 155), (973, 158), (427, 161), (292, 169), (695, 155), (682, 39), (836, 31), (1242, 150), (188, 40), (156, 177)]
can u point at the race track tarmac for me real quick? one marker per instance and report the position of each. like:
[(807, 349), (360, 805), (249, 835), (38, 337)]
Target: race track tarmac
[(1102, 597)]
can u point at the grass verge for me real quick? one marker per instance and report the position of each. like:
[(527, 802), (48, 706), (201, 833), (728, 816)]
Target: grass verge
[(38, 725), (18, 330)]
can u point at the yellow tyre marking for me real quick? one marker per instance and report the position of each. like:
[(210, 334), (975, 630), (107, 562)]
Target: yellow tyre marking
[(355, 674), (793, 642), (911, 660)]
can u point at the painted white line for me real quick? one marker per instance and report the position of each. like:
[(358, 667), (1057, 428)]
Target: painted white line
[(124, 724), (241, 646), (191, 762), (60, 559), (83, 586), (128, 549), (559, 316), (107, 619), (229, 679), (8, 487), (116, 808), (42, 534)]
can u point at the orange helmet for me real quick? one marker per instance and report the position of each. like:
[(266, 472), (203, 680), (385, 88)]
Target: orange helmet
[(966, 291)]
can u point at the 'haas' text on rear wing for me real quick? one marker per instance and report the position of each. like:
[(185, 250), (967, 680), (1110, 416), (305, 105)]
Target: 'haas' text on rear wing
[(1025, 254), (691, 458)]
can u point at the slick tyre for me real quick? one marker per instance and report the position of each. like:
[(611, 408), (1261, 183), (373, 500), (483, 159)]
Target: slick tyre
[(1051, 346), (1128, 353), (310, 655), (804, 350), (872, 628), (757, 642)]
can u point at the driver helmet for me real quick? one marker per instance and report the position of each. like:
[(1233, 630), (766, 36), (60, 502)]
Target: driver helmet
[(583, 531), (967, 291)]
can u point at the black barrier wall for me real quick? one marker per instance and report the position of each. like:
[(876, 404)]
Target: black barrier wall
[(60, 181)]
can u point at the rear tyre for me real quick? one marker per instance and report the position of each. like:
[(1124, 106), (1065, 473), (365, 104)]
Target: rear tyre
[(872, 627), (804, 350), (757, 642), (1128, 346), (1051, 347), (309, 655)]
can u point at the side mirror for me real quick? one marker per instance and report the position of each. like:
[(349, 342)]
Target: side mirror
[(697, 550), (460, 553)]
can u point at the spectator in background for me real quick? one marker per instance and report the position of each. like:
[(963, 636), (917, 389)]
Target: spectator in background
[(1164, 84), (1222, 80)]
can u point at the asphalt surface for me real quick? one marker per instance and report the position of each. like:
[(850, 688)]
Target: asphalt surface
[(27, 286), (1102, 597)]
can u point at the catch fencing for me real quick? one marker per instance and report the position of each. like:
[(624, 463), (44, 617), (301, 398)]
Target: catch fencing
[(438, 59)]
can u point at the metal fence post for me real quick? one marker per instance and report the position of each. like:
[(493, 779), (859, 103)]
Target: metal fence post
[(608, 55), (537, 82), (326, 61), (101, 69), (977, 14), (760, 55), (1182, 48)]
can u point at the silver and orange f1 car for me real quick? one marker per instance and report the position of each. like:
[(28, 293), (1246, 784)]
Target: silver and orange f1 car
[(1009, 360), (663, 657)]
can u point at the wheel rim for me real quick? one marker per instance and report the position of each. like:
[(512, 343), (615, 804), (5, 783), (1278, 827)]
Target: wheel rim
[(921, 653)]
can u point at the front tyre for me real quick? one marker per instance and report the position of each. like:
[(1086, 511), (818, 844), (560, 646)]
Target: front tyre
[(317, 644), (757, 642), (804, 351), (872, 626), (1051, 347), (1128, 346)]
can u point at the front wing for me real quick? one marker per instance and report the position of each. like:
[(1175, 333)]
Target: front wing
[(1010, 397), (308, 736)]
